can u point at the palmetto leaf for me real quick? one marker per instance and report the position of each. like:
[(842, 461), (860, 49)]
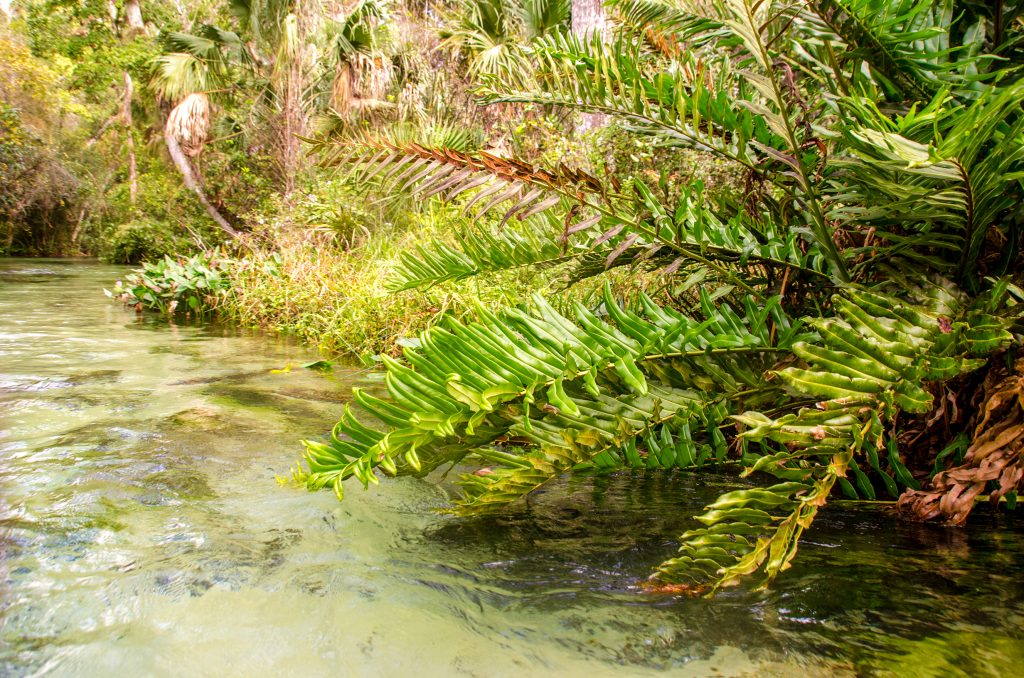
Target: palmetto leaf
[(196, 63)]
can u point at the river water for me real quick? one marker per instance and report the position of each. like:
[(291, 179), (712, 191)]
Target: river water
[(142, 533)]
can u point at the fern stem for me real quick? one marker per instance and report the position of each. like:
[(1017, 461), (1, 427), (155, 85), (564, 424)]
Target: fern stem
[(819, 226)]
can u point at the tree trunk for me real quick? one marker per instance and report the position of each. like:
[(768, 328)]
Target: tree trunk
[(588, 21), (294, 125), (189, 179), (289, 81), (133, 15), (126, 118)]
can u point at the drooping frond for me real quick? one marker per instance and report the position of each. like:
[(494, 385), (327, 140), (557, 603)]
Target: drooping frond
[(869, 365), (494, 181), (698, 237), (525, 375), (599, 220), (579, 429), (747, 531), (533, 243)]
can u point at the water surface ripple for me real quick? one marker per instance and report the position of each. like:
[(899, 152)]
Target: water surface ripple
[(142, 534)]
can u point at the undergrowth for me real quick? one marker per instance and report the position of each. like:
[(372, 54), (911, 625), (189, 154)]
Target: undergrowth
[(318, 287)]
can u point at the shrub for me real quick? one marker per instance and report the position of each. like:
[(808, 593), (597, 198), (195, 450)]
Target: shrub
[(139, 240)]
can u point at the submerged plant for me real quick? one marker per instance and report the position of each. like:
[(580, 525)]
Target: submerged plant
[(848, 325)]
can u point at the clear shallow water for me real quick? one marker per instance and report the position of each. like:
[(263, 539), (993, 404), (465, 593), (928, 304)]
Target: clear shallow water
[(142, 533)]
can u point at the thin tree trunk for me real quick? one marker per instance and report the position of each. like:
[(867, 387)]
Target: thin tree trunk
[(126, 118), (103, 128), (189, 179), (78, 224), (588, 21), (293, 125)]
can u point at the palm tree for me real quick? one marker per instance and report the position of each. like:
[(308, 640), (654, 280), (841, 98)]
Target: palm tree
[(193, 66), (285, 57), (589, 23), (362, 72), (494, 34)]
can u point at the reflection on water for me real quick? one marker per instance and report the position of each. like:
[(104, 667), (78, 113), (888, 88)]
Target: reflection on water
[(142, 533)]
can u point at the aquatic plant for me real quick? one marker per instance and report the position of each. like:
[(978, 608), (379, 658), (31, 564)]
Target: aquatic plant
[(848, 325), (194, 286)]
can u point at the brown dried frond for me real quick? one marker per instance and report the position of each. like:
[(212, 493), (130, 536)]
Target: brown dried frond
[(189, 123), (996, 455)]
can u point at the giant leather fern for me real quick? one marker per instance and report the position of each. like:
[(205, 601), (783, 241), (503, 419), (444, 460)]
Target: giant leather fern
[(869, 365), (588, 385), (871, 145)]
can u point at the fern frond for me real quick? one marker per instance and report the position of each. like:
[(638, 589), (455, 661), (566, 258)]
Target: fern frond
[(868, 366), (754, 115), (747, 531), (478, 250), (490, 180), (532, 373), (668, 26), (585, 429), (934, 181), (690, 106), (696, 233), (906, 43)]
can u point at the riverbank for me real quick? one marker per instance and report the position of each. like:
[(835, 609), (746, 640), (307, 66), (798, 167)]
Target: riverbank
[(337, 296)]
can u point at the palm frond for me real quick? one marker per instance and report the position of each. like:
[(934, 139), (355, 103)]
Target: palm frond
[(542, 17)]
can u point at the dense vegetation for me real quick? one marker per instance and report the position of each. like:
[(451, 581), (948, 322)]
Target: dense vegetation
[(846, 323), (778, 237)]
